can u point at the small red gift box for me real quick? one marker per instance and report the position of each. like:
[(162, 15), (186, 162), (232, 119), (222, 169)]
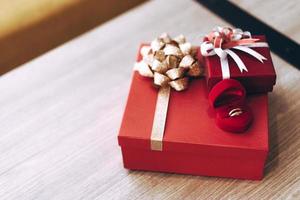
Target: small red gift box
[(192, 142), (260, 77)]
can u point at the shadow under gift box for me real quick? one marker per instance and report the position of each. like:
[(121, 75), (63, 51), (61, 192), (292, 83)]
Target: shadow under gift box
[(260, 78), (192, 142)]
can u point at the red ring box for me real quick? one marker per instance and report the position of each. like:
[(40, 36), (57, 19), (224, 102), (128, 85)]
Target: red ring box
[(192, 144), (260, 77), (226, 97)]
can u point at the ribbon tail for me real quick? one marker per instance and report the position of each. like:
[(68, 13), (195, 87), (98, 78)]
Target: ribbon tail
[(160, 116), (257, 44), (225, 68), (237, 60), (253, 53)]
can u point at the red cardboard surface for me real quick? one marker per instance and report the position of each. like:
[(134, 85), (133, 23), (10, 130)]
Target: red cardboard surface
[(260, 77)]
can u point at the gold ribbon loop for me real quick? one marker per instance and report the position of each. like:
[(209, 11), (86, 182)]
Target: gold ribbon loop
[(160, 55), (180, 39), (160, 79), (160, 67), (172, 61), (145, 51), (172, 50), (175, 73), (179, 84), (187, 61), (157, 44), (186, 48), (144, 69)]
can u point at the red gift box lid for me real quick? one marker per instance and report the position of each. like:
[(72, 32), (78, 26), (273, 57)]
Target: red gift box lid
[(260, 76), (190, 124)]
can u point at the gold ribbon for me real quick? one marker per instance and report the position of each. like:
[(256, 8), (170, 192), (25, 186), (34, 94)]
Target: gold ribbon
[(170, 62)]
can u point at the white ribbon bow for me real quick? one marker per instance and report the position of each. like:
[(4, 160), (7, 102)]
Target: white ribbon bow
[(209, 49)]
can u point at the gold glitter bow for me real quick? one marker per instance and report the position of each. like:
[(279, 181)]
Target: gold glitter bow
[(170, 62)]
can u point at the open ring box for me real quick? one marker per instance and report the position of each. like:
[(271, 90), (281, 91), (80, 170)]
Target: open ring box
[(228, 99)]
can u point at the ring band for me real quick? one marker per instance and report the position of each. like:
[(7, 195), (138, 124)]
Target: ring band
[(235, 112)]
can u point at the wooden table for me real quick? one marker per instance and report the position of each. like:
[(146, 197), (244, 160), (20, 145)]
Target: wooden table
[(60, 115)]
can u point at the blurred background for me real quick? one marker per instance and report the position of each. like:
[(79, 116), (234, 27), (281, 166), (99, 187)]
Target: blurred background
[(29, 28)]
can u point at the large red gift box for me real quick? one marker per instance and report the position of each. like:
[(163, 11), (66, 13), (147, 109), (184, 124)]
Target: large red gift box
[(192, 142), (260, 76)]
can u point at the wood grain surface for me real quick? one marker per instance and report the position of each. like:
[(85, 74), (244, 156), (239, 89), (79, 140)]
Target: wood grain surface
[(60, 115)]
